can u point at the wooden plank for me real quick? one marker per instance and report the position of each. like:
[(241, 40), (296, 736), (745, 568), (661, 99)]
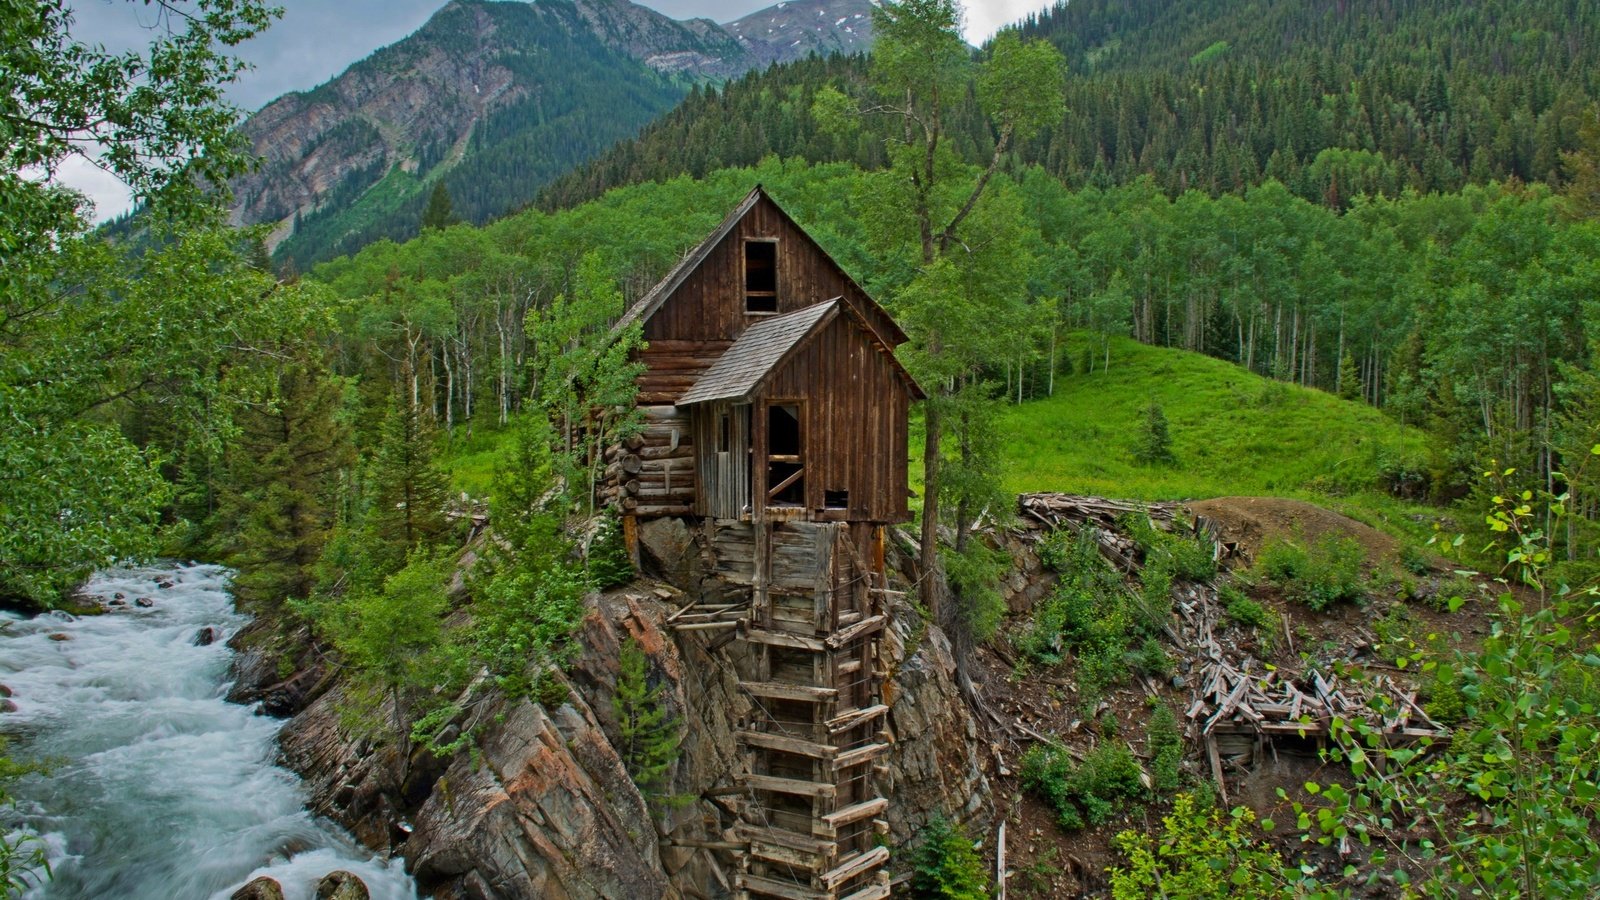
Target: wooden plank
[(787, 857), (870, 892), (782, 837), (769, 741), (865, 626), (858, 756), (860, 864), (858, 717), (781, 889), (779, 690), (786, 785), (855, 813), (784, 639)]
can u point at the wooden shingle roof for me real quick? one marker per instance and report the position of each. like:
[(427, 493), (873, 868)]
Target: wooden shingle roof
[(741, 370), (744, 366)]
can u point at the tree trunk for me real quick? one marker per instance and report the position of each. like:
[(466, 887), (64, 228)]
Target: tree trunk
[(929, 558)]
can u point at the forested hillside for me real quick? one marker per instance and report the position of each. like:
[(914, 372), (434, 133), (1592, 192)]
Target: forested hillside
[(1331, 99)]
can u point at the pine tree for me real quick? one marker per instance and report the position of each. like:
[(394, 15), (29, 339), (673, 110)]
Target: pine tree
[(647, 737), (411, 489), (1349, 379), (1154, 443), (438, 213), (277, 502)]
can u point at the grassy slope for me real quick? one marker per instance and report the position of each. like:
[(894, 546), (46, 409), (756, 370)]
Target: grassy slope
[(1233, 432)]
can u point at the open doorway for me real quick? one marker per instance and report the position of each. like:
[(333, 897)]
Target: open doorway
[(785, 467)]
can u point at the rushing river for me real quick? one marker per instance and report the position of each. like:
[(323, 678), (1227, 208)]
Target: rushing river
[(159, 788)]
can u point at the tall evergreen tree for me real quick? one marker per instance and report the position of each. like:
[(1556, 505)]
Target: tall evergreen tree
[(284, 468), (438, 213), (410, 490)]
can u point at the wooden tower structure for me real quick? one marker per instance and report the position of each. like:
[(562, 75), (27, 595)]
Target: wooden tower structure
[(776, 418)]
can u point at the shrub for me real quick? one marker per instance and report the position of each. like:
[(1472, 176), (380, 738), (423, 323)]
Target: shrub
[(1152, 659), (1414, 560), (1164, 743), (946, 867), (607, 560), (1201, 853), (1087, 792), (974, 576), (1242, 609), (1325, 573)]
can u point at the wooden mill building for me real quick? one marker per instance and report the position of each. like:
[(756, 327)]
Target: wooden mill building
[(776, 418)]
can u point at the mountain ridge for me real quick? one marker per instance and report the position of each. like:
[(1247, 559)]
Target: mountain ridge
[(495, 99)]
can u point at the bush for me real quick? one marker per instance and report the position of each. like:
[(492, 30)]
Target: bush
[(1164, 743), (1082, 793), (1152, 659), (1325, 573), (1241, 608), (607, 560), (1201, 853), (974, 579), (946, 867)]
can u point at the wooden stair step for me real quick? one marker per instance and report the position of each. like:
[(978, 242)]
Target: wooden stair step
[(780, 690), (786, 785)]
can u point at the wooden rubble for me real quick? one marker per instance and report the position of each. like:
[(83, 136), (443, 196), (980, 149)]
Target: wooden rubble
[(1236, 701)]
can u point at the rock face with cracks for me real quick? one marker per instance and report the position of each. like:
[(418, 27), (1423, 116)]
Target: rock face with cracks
[(544, 806)]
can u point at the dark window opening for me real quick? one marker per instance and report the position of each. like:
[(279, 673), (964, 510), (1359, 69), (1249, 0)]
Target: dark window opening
[(783, 430), (785, 469), (725, 433), (836, 499), (761, 276)]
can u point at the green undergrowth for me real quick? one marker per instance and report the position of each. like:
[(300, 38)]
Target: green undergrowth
[(1233, 433)]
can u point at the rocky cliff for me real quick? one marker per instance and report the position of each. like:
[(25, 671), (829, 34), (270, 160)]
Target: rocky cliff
[(543, 807)]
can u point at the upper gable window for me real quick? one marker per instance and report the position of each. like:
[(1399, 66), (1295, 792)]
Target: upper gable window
[(761, 276)]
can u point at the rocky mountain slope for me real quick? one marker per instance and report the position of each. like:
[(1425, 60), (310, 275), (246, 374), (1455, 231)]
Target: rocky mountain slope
[(495, 99)]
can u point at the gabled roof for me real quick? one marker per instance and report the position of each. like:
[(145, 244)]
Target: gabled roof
[(744, 367), (647, 305), (741, 368)]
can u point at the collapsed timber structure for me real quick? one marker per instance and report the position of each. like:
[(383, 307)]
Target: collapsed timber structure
[(776, 421)]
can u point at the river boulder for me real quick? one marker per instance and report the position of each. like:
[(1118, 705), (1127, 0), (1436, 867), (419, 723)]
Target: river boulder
[(262, 888), (205, 637), (341, 885)]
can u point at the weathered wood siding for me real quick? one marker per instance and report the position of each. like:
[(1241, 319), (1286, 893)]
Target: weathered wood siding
[(707, 311), (723, 475), (854, 433)]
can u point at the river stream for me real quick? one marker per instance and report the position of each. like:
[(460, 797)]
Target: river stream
[(158, 787)]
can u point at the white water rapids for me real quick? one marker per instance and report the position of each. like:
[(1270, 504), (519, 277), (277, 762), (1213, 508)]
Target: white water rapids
[(158, 788)]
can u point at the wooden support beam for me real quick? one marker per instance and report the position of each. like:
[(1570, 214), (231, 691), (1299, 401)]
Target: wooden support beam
[(784, 639), (703, 626), (855, 813), (775, 491), (851, 719), (865, 626), (859, 755), (769, 741), (784, 890), (784, 838), (786, 785), (779, 690), (870, 892), (850, 868)]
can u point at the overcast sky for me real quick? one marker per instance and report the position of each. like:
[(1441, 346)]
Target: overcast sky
[(317, 39)]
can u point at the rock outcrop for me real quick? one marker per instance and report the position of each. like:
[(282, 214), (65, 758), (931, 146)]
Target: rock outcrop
[(543, 806)]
